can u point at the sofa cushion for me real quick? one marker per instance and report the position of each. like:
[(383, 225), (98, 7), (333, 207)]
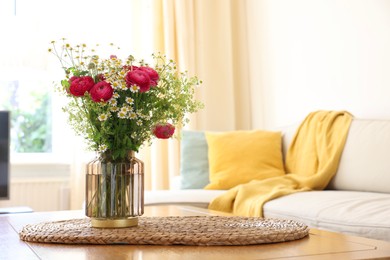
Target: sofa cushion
[(237, 157), (365, 162), (194, 162), (351, 212)]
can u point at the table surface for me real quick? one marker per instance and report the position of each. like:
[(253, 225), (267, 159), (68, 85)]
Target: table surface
[(318, 245)]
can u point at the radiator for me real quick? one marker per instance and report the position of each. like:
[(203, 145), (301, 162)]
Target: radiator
[(40, 194)]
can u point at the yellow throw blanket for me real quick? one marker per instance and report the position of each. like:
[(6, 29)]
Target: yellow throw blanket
[(311, 161)]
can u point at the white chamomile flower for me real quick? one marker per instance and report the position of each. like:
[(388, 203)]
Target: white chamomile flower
[(132, 115), (139, 122), (145, 117), (133, 135), (134, 88), (115, 84), (122, 114), (103, 117), (125, 109), (123, 87), (139, 114), (114, 109), (115, 95), (129, 100), (102, 148), (113, 102)]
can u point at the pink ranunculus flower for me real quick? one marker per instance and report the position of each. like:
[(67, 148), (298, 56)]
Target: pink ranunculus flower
[(154, 77), (101, 91), (80, 85), (164, 131), (129, 67), (72, 79), (100, 77), (139, 78)]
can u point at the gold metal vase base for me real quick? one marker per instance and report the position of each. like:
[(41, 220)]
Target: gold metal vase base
[(114, 223)]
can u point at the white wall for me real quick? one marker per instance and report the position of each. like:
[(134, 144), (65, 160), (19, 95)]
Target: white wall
[(321, 54)]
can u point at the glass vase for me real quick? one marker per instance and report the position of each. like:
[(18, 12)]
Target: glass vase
[(115, 192)]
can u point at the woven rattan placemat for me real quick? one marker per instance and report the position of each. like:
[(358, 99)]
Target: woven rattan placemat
[(184, 230)]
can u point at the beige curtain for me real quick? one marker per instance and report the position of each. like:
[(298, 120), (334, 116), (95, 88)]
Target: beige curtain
[(209, 39)]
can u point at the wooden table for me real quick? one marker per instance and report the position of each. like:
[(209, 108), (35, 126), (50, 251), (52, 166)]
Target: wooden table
[(318, 245)]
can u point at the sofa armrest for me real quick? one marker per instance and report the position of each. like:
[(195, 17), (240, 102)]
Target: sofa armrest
[(194, 197), (175, 183)]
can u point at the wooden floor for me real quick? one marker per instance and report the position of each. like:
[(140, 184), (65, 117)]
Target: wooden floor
[(318, 245)]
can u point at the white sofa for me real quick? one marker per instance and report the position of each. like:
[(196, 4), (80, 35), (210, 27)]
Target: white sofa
[(356, 201)]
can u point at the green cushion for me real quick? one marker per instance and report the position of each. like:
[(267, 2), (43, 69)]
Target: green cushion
[(194, 163)]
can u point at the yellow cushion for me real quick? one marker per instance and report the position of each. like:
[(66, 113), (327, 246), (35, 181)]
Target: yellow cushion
[(238, 157)]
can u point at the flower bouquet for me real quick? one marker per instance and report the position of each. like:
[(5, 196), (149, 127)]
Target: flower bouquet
[(119, 105)]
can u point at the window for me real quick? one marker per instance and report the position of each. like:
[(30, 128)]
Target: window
[(27, 70), (24, 86), (28, 98)]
